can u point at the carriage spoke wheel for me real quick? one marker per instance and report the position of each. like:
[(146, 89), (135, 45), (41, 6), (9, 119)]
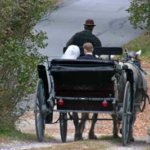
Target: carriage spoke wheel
[(63, 126), (126, 116), (39, 116)]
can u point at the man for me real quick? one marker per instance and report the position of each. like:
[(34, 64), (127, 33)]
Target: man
[(85, 36), (88, 51)]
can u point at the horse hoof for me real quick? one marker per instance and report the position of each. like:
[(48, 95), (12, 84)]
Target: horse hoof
[(78, 137), (132, 139), (92, 137), (115, 136)]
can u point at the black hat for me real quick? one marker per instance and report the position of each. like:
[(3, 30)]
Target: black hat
[(89, 22)]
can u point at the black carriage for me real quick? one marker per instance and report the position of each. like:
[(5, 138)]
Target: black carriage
[(84, 86)]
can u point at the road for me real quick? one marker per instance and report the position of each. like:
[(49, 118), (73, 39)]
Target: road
[(110, 16)]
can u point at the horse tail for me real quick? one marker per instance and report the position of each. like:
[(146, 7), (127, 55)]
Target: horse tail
[(147, 96)]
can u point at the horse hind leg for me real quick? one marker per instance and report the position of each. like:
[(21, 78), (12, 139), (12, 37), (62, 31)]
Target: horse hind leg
[(81, 126), (76, 124), (132, 122), (116, 126), (91, 132)]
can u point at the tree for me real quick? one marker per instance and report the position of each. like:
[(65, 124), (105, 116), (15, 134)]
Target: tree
[(140, 14), (19, 56)]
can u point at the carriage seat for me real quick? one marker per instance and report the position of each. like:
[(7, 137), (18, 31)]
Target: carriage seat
[(102, 51)]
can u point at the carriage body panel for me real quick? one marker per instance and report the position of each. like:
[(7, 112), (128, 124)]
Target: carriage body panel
[(82, 78), (83, 85)]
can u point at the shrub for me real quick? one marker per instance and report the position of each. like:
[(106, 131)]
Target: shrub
[(19, 56)]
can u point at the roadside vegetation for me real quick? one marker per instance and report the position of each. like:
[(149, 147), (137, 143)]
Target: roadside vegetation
[(19, 44), (140, 43), (140, 18), (140, 14), (9, 133)]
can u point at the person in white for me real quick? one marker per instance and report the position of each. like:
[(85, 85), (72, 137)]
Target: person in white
[(72, 52)]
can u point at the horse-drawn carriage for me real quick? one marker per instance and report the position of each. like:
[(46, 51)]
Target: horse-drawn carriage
[(89, 86)]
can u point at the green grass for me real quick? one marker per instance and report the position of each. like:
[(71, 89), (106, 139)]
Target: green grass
[(10, 133), (142, 42), (111, 138), (80, 145)]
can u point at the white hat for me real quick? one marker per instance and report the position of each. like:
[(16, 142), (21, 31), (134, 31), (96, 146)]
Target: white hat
[(72, 52)]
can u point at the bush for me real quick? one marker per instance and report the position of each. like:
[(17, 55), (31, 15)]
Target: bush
[(19, 56), (140, 14)]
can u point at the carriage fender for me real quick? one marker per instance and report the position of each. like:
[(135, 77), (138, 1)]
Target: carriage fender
[(43, 75)]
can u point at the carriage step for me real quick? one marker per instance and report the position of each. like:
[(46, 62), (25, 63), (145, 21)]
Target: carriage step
[(105, 119), (128, 113), (136, 104)]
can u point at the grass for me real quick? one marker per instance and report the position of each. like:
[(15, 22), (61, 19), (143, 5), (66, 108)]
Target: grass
[(81, 145), (142, 42), (8, 132), (111, 138)]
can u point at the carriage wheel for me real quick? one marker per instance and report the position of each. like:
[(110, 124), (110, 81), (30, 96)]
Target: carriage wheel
[(39, 115), (63, 126), (126, 116)]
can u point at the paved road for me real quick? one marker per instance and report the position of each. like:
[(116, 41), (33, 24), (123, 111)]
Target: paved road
[(111, 18)]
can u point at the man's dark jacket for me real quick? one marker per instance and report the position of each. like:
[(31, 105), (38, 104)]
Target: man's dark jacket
[(88, 56), (82, 37)]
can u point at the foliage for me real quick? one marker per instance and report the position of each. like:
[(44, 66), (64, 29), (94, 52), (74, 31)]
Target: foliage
[(81, 145), (142, 42), (19, 43), (8, 132), (140, 14)]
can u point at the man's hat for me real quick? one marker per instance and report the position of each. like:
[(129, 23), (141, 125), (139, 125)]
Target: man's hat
[(89, 22)]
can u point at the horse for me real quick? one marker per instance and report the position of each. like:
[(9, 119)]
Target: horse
[(138, 92)]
